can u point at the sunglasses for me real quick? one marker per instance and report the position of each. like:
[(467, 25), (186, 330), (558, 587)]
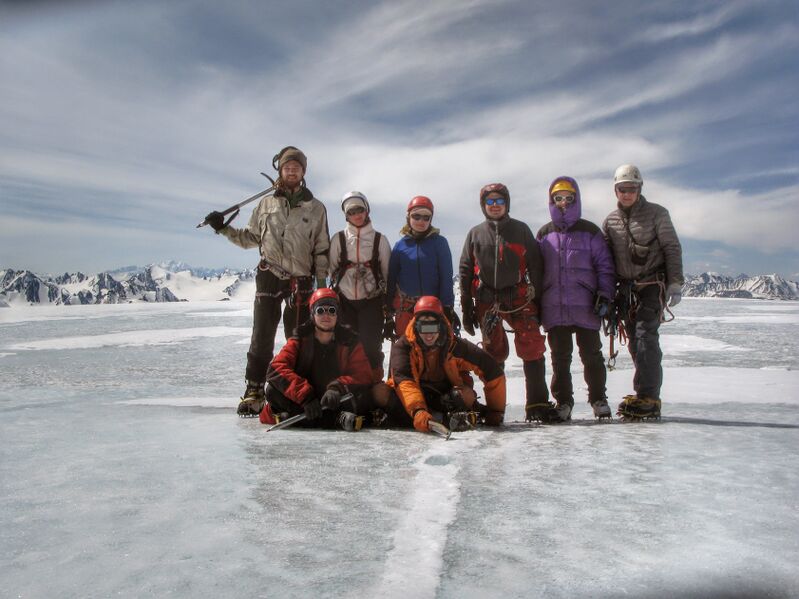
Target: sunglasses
[(497, 201), (354, 211), (626, 189), (568, 198), (428, 327), (320, 310), (424, 217)]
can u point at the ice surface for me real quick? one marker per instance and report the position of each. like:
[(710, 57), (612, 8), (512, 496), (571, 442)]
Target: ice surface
[(125, 472), (131, 338)]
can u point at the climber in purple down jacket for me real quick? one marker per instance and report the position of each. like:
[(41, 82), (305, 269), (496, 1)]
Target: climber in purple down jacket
[(579, 283)]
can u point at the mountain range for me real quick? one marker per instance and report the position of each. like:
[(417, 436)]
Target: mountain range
[(176, 281)]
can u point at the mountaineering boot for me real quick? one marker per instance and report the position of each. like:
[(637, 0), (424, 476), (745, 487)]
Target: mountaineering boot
[(462, 421), (538, 406), (633, 408), (601, 409), (378, 418), (539, 412), (252, 402), (349, 421), (561, 413)]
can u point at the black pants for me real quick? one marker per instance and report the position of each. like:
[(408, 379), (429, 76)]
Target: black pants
[(360, 404), (366, 318), (270, 292), (590, 348), (643, 341)]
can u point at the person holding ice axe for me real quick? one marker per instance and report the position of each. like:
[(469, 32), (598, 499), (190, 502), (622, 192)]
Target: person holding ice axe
[(289, 227)]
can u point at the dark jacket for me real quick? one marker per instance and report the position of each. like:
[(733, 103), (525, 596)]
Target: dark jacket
[(645, 230), (458, 358), (290, 369), (500, 254), (577, 266)]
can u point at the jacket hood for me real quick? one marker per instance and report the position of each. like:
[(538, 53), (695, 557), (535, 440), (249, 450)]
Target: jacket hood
[(406, 231), (566, 218), (499, 188), (410, 333)]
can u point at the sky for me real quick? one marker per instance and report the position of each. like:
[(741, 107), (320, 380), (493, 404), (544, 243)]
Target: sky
[(124, 124)]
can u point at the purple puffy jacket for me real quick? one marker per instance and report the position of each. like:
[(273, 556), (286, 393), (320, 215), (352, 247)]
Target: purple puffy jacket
[(578, 266)]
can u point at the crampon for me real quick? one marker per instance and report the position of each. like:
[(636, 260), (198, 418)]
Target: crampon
[(635, 409)]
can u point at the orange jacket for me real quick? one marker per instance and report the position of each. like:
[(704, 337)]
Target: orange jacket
[(458, 358)]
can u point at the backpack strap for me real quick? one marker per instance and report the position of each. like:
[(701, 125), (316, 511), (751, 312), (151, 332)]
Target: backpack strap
[(375, 261), (344, 261)]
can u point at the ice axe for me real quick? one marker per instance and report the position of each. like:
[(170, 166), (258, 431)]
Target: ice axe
[(300, 417), (236, 207), (439, 429)]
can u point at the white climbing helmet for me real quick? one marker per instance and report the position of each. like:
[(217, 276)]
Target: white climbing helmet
[(628, 173)]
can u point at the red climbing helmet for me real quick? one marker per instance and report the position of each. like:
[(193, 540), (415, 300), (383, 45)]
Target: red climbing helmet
[(323, 293), (420, 202), (428, 304)]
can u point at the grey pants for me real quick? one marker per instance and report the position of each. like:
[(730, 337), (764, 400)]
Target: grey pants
[(643, 341)]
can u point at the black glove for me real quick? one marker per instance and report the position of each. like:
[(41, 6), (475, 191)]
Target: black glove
[(330, 400), (452, 316), (313, 409), (602, 306), (216, 220), (469, 318), (389, 327), (452, 401)]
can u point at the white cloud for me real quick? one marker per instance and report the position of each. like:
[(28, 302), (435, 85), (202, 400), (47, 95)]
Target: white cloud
[(766, 221), (697, 25), (375, 100)]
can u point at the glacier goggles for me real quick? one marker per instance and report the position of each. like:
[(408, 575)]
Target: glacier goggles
[(424, 217), (568, 198), (428, 325), (356, 210), (624, 190), (497, 201), (320, 310)]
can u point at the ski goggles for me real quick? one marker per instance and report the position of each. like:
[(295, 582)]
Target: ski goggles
[(356, 210), (320, 310), (497, 201), (424, 217), (568, 198)]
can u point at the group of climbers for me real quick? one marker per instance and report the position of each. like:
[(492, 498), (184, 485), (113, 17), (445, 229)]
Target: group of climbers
[(570, 278)]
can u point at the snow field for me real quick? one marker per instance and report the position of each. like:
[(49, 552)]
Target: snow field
[(125, 472)]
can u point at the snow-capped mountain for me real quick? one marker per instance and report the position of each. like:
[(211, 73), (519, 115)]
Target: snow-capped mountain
[(153, 283), (743, 286), (174, 281)]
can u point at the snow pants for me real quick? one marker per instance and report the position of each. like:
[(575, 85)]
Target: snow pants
[(366, 318), (270, 293), (590, 348), (527, 338), (403, 310), (643, 341)]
